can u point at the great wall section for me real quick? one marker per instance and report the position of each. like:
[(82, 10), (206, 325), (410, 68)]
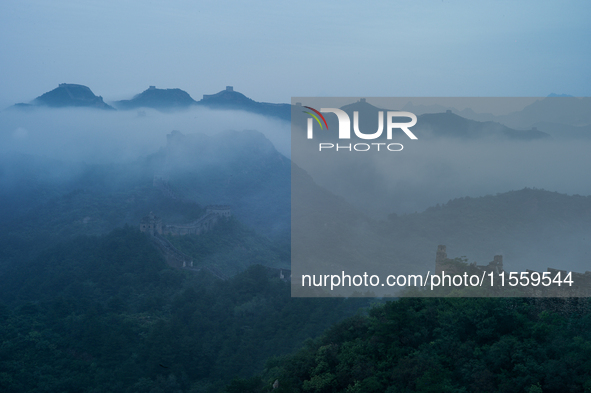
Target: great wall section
[(153, 226), (178, 259)]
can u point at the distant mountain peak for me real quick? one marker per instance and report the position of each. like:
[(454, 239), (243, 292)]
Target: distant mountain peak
[(74, 95), (158, 99), (360, 106), (70, 95), (231, 99), (226, 97)]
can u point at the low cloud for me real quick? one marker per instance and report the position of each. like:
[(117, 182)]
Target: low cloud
[(94, 136), (428, 172)]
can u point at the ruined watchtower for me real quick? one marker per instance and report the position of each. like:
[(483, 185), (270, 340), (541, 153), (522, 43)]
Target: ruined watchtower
[(151, 224)]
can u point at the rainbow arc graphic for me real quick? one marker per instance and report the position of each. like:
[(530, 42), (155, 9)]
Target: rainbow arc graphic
[(316, 117)]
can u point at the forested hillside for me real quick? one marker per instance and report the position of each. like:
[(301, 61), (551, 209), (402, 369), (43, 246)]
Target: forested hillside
[(106, 314), (443, 345)]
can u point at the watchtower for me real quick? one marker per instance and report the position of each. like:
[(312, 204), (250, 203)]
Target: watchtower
[(151, 224)]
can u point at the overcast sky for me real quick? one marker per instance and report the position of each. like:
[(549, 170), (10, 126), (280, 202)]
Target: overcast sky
[(273, 50)]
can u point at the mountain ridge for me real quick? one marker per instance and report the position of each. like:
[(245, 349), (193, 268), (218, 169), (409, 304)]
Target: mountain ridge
[(69, 95), (158, 99), (231, 99)]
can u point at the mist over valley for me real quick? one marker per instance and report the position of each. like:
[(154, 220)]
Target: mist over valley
[(77, 182)]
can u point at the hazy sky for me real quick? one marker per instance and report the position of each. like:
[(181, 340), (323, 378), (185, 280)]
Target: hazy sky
[(273, 50)]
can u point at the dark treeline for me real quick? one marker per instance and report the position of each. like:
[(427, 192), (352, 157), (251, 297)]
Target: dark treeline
[(443, 345), (106, 314)]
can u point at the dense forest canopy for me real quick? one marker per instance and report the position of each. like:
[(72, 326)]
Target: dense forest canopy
[(107, 314), (443, 345)]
